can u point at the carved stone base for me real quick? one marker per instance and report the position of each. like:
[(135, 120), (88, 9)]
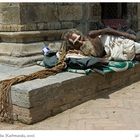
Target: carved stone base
[(23, 48), (20, 49), (20, 61)]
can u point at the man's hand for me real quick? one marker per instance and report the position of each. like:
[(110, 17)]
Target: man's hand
[(94, 33)]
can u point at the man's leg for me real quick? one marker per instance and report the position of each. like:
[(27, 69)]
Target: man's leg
[(137, 57), (137, 51), (138, 36)]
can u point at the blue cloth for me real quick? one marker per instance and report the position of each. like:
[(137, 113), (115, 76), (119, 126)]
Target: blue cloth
[(82, 63), (50, 60)]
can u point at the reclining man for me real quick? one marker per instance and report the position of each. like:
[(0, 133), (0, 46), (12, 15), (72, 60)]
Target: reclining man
[(105, 43)]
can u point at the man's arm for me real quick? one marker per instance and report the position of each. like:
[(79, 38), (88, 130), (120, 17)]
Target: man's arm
[(110, 31)]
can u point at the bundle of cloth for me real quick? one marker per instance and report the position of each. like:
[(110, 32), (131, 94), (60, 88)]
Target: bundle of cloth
[(104, 50), (78, 63)]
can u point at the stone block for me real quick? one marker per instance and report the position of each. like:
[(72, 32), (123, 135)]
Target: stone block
[(53, 25), (38, 13), (43, 93), (70, 12), (94, 10), (31, 36), (10, 13), (67, 25), (52, 95), (20, 61), (10, 71), (47, 88), (42, 26), (21, 49)]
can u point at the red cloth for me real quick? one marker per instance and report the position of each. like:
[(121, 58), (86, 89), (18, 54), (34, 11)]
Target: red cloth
[(115, 23)]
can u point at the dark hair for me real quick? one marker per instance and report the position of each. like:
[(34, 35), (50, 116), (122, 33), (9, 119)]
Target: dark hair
[(67, 34)]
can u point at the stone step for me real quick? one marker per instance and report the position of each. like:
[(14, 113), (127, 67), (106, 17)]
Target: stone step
[(8, 71), (20, 61), (25, 54), (38, 99)]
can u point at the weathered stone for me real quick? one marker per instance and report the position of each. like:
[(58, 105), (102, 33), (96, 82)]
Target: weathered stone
[(30, 35), (23, 114), (42, 26), (38, 12), (26, 46), (20, 61), (70, 12), (67, 25), (54, 25), (64, 90), (95, 10), (24, 54), (46, 90), (30, 14), (20, 49), (55, 46), (10, 13), (10, 71)]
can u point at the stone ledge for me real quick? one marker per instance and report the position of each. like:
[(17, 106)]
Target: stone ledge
[(21, 54), (27, 49), (35, 26), (20, 61), (52, 95), (34, 35), (21, 49)]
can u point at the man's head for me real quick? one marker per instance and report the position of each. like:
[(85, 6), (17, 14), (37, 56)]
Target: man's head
[(74, 38)]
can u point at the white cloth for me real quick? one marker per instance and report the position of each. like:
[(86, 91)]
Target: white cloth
[(74, 55), (71, 55), (137, 48), (118, 48)]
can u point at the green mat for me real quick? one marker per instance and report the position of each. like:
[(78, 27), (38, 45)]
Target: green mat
[(115, 66)]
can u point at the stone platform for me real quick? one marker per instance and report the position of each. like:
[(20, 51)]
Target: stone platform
[(25, 48), (38, 99)]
